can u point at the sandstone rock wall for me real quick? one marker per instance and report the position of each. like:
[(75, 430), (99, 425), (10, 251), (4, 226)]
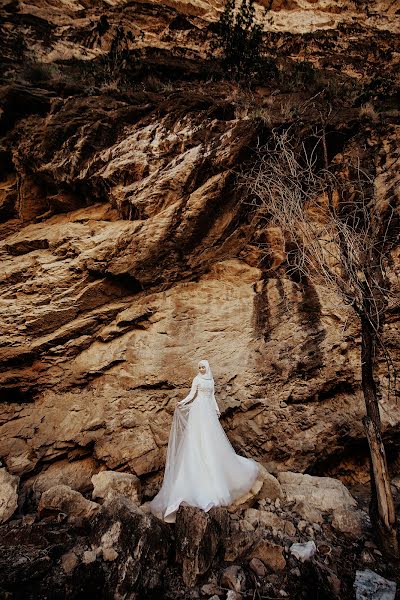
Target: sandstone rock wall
[(127, 255)]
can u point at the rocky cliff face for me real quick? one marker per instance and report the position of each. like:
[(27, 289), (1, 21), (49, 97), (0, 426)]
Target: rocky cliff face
[(128, 254)]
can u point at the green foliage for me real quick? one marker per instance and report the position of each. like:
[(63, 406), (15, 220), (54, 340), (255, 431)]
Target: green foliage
[(239, 38)]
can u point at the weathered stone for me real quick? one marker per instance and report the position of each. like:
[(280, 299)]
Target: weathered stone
[(8, 495), (369, 585), (208, 589), (199, 535), (134, 547), (264, 518), (244, 525), (110, 483), (69, 562), (76, 475), (270, 554), (289, 529), (89, 556), (62, 498), (118, 243), (266, 486), (271, 488), (302, 526), (257, 566), (29, 519), (110, 554), (111, 536), (309, 512), (105, 306), (232, 595), (350, 522), (335, 584), (323, 493), (238, 543), (234, 578)]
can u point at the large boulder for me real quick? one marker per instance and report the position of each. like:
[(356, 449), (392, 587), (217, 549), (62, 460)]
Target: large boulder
[(130, 550), (75, 474), (199, 536), (369, 585), (8, 495), (111, 483), (62, 499), (323, 493)]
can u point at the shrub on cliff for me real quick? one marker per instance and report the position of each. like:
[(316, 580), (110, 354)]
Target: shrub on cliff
[(239, 39)]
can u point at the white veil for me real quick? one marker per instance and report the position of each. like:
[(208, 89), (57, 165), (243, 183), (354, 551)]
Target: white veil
[(159, 504)]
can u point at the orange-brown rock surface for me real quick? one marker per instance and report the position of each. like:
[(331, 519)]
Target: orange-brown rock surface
[(127, 253)]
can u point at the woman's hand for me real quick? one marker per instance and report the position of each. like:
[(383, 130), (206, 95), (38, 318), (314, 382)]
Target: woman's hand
[(218, 414)]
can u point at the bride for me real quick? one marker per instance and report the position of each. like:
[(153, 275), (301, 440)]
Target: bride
[(202, 468)]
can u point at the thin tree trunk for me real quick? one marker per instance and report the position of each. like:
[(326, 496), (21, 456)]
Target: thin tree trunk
[(382, 508)]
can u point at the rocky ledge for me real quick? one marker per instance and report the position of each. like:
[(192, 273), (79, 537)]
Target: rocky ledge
[(295, 536)]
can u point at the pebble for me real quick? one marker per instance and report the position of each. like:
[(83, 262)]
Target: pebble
[(89, 556), (310, 532), (234, 578), (290, 529), (28, 519), (366, 557), (258, 567), (110, 554), (231, 595), (301, 525), (69, 562), (296, 572)]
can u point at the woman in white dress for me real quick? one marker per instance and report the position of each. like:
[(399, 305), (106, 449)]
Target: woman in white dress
[(202, 469)]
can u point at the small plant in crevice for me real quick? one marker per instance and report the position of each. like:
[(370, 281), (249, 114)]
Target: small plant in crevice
[(113, 69), (116, 65)]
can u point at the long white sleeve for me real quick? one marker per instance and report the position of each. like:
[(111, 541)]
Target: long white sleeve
[(191, 395)]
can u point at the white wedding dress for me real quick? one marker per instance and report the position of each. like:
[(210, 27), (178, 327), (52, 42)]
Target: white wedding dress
[(202, 469)]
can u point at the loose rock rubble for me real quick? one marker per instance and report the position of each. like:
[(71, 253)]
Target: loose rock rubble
[(230, 554)]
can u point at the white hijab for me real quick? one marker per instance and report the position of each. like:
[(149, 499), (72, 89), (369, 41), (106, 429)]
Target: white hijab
[(208, 374)]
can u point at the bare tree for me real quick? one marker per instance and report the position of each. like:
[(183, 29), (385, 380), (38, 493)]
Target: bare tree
[(336, 235)]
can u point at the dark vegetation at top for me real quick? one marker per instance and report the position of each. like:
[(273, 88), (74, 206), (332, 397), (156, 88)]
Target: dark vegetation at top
[(240, 56)]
